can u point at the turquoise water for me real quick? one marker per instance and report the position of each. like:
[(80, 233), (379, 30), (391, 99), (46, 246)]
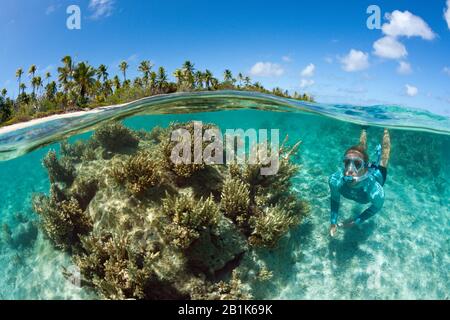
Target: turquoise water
[(401, 253)]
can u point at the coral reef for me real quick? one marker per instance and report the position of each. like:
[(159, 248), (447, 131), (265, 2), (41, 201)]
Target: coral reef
[(188, 217), (167, 144), (138, 173), (140, 227), (115, 137), (62, 218), (59, 170)]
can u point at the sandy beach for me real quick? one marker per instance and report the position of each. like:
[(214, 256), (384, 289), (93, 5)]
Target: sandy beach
[(23, 125)]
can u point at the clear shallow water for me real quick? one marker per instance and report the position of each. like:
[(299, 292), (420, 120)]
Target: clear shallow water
[(401, 253)]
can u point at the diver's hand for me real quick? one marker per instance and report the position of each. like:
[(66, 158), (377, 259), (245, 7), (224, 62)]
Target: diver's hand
[(333, 230)]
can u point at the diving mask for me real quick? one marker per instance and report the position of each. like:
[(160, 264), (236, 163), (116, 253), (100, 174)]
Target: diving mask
[(355, 164)]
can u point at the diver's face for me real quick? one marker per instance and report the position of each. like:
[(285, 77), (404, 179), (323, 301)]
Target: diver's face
[(354, 164)]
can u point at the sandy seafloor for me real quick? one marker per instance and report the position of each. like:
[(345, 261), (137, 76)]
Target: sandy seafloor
[(401, 253)]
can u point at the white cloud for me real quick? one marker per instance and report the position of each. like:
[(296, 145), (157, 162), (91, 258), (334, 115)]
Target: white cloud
[(286, 58), (328, 60), (446, 70), (447, 14), (407, 24), (411, 90), (266, 69), (50, 9), (309, 70), (306, 83), (355, 60), (133, 58), (404, 68), (388, 47), (101, 8)]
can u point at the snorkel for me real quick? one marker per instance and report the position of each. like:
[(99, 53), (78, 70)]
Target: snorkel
[(378, 155)]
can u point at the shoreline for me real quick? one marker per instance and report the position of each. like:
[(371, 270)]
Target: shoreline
[(30, 123), (71, 114)]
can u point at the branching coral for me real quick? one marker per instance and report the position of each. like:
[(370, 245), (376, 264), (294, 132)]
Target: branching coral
[(139, 172), (231, 290), (270, 226), (63, 221), (196, 139), (273, 208), (115, 137), (121, 270), (188, 217), (79, 151), (59, 170), (235, 200)]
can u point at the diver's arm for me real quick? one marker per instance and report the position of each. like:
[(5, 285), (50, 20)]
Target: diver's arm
[(335, 198), (377, 197), (334, 209)]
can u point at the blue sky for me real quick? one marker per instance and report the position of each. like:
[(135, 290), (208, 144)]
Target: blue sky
[(321, 47)]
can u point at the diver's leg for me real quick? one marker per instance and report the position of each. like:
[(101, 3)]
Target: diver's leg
[(386, 149), (363, 139)]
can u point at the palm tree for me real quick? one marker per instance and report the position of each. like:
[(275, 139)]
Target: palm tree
[(208, 76), (3, 93), (145, 67), (214, 83), (84, 78), (102, 72), (39, 83), (116, 82), (178, 74), (247, 81), (138, 82), (50, 90), (162, 78), (34, 84), (123, 66), (32, 71), (188, 72), (228, 76), (188, 67), (240, 78), (107, 87), (19, 74), (258, 85), (66, 73), (47, 77), (22, 87), (198, 77)]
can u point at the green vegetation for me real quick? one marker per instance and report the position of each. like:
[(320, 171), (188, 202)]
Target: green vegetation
[(79, 86), (139, 228)]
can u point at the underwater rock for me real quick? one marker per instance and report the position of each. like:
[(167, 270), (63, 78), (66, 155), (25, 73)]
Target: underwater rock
[(213, 250), (140, 227)]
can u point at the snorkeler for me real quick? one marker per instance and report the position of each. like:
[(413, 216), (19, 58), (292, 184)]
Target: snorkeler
[(360, 181)]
